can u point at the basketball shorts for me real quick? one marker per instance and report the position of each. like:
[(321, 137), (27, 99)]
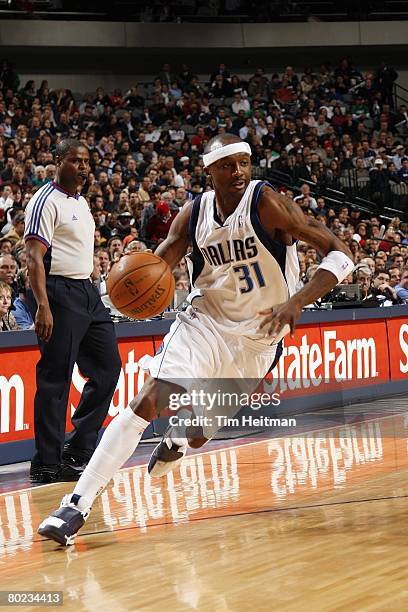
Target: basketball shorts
[(197, 355)]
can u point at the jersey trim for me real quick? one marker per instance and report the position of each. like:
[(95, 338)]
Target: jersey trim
[(62, 190), (37, 237), (196, 257), (38, 208), (278, 355), (275, 248), (216, 215), (165, 350)]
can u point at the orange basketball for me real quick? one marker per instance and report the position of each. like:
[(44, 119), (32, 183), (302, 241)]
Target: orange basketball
[(141, 285)]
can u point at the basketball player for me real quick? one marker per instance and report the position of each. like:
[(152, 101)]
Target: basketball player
[(243, 268)]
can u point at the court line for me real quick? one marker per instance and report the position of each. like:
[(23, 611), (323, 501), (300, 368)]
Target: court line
[(233, 446), (236, 514)]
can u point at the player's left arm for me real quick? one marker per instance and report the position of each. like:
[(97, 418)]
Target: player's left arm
[(279, 212)]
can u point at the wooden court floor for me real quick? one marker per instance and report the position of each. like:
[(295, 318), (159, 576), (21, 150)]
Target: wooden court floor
[(316, 521)]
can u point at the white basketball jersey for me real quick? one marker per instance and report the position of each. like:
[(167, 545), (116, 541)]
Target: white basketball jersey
[(236, 269)]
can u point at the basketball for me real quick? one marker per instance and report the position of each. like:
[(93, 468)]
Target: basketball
[(141, 285)]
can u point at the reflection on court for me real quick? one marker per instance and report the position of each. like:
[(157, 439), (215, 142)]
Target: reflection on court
[(287, 518)]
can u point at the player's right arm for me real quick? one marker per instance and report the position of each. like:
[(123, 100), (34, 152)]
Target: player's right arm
[(36, 271), (173, 249), (279, 212)]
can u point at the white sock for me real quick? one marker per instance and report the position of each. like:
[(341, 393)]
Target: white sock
[(117, 444)]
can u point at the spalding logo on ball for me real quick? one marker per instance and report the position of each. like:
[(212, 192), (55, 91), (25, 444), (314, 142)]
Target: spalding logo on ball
[(141, 285)]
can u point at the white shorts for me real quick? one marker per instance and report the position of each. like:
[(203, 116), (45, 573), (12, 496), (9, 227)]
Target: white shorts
[(194, 353)]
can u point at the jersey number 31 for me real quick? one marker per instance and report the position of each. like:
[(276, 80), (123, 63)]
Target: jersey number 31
[(246, 276)]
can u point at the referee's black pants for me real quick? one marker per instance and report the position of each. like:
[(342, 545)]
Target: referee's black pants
[(82, 333)]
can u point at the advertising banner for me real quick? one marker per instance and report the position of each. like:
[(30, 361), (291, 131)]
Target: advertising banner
[(17, 386), (319, 359)]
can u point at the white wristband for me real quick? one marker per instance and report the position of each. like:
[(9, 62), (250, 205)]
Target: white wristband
[(338, 264)]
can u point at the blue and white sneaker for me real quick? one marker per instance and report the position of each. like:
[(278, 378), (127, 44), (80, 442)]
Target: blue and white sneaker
[(63, 524)]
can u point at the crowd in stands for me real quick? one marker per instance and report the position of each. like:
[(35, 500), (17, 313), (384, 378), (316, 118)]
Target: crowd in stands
[(330, 130)]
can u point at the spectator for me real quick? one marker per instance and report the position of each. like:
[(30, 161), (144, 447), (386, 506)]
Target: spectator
[(221, 88), (50, 172), (395, 276), (362, 276), (7, 320), (115, 248), (386, 78), (240, 104), (397, 262), (402, 288), (16, 233), (381, 288), (21, 307), (40, 176), (306, 198), (6, 246), (379, 182), (8, 270), (399, 156), (258, 84), (6, 199), (403, 171), (159, 225)]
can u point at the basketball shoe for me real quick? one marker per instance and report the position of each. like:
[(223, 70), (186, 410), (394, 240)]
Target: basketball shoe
[(63, 524), (166, 456)]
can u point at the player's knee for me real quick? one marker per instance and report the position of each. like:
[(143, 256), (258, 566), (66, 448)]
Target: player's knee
[(153, 397)]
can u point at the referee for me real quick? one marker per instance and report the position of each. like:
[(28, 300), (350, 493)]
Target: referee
[(71, 322)]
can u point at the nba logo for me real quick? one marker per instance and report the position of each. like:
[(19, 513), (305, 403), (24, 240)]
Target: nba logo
[(241, 220)]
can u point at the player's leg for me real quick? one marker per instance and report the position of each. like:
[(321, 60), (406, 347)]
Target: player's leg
[(193, 352), (172, 448), (180, 438), (119, 441)]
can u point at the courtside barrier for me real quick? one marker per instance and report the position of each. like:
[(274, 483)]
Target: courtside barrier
[(336, 357)]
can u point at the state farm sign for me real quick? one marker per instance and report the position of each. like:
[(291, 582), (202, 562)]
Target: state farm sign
[(11, 403), (342, 354), (398, 348)]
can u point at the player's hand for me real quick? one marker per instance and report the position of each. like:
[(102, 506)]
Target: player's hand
[(44, 323), (277, 317)]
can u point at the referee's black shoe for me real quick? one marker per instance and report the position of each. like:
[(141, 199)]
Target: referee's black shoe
[(69, 470), (63, 524), (74, 461), (43, 474), (76, 456)]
